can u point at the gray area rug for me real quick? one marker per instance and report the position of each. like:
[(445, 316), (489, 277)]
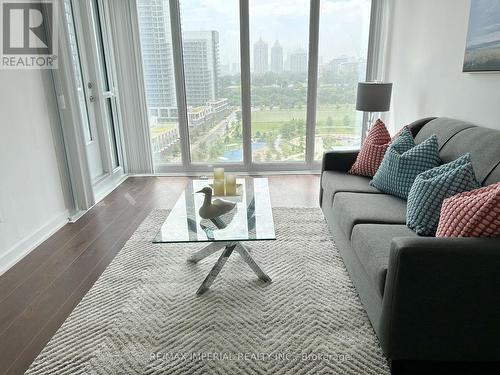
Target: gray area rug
[(142, 315)]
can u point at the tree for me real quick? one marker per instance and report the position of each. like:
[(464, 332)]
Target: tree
[(237, 130), (287, 130), (327, 143)]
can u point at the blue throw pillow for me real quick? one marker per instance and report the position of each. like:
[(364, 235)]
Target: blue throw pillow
[(403, 161), (432, 187), (404, 141)]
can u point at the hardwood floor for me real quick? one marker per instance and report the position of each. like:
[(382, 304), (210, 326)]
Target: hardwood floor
[(39, 292)]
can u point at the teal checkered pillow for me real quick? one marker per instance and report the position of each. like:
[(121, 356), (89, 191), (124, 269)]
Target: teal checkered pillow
[(432, 187), (404, 141), (403, 161)]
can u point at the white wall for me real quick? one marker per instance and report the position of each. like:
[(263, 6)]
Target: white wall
[(32, 201), (425, 59)]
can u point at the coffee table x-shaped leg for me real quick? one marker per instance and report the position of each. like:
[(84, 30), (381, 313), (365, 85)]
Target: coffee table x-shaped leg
[(228, 247)]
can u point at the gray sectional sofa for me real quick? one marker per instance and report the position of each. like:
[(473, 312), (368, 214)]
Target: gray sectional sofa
[(427, 298)]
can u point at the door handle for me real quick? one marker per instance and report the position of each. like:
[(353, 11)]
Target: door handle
[(108, 94)]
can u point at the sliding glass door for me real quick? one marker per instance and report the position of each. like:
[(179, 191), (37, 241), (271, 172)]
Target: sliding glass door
[(299, 89)]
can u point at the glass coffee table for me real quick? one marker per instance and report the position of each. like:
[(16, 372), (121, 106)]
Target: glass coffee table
[(250, 220)]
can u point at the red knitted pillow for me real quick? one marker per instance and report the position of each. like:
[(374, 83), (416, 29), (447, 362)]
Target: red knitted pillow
[(475, 213), (372, 151)]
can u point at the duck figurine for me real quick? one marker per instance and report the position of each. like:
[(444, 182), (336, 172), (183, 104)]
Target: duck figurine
[(218, 207)]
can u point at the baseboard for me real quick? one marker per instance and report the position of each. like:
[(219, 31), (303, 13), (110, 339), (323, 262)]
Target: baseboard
[(104, 189), (25, 246)]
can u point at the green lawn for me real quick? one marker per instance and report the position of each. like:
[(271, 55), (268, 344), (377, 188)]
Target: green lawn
[(335, 130), (269, 120), (265, 126), (278, 115)]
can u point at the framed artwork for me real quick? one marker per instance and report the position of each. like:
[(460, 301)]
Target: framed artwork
[(482, 49)]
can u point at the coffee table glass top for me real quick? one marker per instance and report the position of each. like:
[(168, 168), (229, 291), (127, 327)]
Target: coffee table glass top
[(251, 219)]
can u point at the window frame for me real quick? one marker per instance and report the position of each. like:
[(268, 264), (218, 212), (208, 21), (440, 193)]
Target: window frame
[(248, 165)]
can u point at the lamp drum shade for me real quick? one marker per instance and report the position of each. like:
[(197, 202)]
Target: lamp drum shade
[(374, 96)]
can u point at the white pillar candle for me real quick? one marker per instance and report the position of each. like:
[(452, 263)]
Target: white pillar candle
[(230, 184), (218, 174), (219, 187)]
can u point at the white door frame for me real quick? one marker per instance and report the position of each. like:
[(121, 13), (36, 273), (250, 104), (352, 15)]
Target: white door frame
[(71, 124), (93, 64), (85, 192)]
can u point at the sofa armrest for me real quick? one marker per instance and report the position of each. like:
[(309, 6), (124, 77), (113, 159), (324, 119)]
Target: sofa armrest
[(442, 299), (340, 161)]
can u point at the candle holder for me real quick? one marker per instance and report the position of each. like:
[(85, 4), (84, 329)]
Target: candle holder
[(219, 174), (233, 194), (218, 188), (230, 185), (225, 186)]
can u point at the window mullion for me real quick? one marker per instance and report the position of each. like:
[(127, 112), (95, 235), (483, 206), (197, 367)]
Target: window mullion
[(180, 85), (374, 53), (374, 42), (312, 79), (246, 114)]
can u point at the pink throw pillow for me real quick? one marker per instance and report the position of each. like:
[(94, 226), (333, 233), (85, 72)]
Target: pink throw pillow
[(372, 151), (475, 213)]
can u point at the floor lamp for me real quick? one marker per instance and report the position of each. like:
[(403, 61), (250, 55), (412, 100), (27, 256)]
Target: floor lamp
[(373, 97)]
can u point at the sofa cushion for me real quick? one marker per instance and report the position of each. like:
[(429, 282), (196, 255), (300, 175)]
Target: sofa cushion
[(333, 182), (432, 187), (401, 165), (372, 151), (372, 245), (474, 213), (359, 208)]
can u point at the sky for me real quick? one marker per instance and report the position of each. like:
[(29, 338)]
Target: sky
[(343, 25)]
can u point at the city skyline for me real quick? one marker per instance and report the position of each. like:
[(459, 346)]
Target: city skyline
[(202, 60), (211, 51), (340, 34), (234, 67), (272, 20)]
